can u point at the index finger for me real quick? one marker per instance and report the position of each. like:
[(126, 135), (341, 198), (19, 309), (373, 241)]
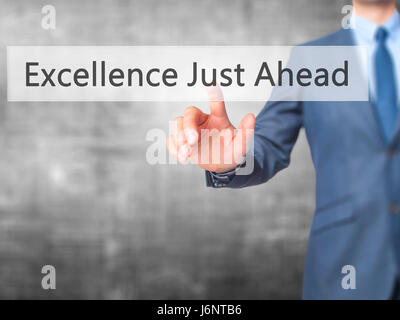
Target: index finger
[(216, 100)]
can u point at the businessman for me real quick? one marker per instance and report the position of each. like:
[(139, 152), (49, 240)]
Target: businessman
[(355, 148)]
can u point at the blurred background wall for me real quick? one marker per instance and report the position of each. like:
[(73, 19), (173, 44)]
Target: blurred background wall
[(76, 191)]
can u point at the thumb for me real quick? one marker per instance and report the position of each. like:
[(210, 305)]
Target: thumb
[(243, 137)]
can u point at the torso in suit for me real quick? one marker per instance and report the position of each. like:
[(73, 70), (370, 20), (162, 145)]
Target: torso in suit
[(357, 219)]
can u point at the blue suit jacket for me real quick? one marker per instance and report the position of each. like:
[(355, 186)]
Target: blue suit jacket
[(357, 184)]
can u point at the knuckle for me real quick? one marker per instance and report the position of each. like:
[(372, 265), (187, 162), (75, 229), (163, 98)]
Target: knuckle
[(177, 124), (191, 109), (177, 119)]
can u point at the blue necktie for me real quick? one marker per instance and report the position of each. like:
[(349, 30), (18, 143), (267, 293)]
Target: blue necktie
[(386, 97)]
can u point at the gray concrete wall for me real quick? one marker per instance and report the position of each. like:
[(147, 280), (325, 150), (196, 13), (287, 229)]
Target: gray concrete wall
[(76, 191)]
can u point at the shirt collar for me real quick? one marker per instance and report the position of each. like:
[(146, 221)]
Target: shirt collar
[(366, 28)]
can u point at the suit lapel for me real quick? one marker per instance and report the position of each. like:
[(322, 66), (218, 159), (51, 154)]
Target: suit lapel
[(396, 135), (366, 113)]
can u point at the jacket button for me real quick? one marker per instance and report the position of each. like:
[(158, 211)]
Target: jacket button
[(394, 208), (391, 152)]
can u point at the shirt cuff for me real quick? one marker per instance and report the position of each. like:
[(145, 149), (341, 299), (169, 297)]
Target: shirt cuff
[(221, 180)]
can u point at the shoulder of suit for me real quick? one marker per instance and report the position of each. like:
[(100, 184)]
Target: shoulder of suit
[(341, 37)]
